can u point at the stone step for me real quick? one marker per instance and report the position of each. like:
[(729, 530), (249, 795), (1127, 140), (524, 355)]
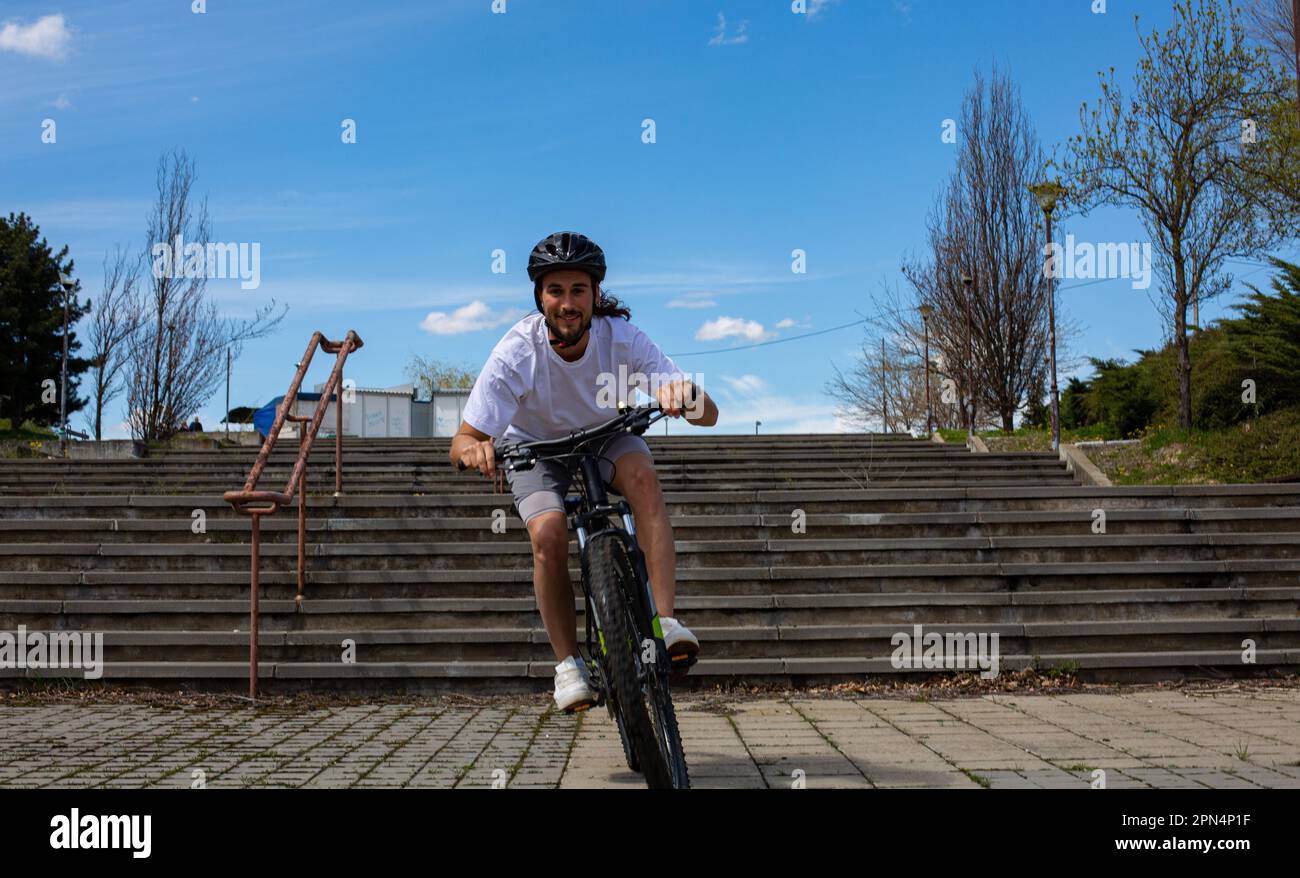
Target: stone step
[(536, 676), (778, 641), (1161, 555), (439, 579), (284, 528), (867, 503), (360, 462), (443, 472), (706, 609), (280, 528), (479, 486)]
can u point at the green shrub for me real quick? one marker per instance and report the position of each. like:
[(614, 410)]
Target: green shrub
[(1123, 397)]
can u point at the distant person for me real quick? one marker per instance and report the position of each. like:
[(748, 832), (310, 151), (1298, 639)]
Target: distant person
[(195, 426)]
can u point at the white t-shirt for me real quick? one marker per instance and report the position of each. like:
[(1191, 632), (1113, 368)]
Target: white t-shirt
[(528, 392)]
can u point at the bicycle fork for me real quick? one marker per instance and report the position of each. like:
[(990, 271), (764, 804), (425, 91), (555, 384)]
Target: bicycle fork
[(651, 653)]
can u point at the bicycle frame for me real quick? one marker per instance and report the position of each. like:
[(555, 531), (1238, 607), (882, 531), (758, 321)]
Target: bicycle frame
[(589, 516), (597, 512), (591, 509)]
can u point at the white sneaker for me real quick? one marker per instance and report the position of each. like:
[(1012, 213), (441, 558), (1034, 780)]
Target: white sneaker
[(573, 685), (678, 639)]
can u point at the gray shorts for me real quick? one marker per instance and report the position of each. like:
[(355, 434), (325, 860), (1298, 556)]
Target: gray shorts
[(542, 488)]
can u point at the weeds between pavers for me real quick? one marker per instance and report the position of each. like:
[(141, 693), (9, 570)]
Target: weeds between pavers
[(703, 700)]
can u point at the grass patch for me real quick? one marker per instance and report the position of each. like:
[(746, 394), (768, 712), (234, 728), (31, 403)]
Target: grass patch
[(1265, 449), (1025, 438), (1036, 439), (1261, 450), (26, 431)]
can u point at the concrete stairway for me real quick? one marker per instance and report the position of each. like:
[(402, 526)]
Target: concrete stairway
[(897, 532)]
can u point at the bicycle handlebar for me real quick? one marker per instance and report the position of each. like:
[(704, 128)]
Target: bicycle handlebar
[(629, 420)]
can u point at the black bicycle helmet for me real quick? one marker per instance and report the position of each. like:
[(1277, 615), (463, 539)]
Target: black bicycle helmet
[(564, 250)]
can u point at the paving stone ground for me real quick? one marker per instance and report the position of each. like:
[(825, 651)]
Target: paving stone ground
[(1155, 738)]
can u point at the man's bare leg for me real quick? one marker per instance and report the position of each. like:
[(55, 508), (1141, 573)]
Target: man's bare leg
[(549, 533), (635, 479)]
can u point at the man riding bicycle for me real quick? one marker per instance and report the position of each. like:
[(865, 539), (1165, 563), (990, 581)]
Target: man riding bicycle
[(543, 380)]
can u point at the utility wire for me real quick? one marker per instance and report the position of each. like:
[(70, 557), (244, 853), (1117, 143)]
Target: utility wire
[(773, 341), (1060, 288)]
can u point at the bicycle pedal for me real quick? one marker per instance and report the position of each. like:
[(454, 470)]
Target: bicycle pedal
[(681, 663)]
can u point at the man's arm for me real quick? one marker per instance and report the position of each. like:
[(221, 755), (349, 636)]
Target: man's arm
[(474, 449), (678, 394), (690, 401)]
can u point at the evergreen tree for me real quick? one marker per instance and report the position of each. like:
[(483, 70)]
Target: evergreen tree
[(31, 325)]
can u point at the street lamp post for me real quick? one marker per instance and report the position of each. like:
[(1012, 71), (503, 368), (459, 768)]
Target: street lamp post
[(927, 311), (67, 283), (969, 410), (226, 419), (1048, 193), (756, 425), (884, 398)]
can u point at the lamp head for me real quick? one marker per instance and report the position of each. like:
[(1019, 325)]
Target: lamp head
[(1048, 193)]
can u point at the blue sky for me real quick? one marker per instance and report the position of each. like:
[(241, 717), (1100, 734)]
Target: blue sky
[(479, 131)]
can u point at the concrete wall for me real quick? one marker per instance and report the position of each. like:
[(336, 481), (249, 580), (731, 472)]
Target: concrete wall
[(367, 413), (448, 408)]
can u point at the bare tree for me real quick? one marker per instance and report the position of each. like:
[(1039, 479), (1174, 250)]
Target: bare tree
[(1174, 150), (986, 227), (1272, 24), (988, 339), (430, 375), (112, 324), (177, 354), (888, 390)]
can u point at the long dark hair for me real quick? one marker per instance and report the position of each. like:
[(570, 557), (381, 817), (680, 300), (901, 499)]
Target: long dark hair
[(610, 306)]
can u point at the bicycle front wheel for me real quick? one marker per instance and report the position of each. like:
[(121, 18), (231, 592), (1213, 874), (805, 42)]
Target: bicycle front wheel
[(638, 686)]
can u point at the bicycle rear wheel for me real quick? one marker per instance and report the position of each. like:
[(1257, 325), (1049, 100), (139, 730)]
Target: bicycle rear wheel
[(638, 687)]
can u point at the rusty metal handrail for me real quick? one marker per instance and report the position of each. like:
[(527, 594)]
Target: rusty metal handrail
[(298, 478)]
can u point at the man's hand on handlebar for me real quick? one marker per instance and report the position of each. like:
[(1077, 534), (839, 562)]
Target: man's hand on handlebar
[(676, 398), (480, 456)]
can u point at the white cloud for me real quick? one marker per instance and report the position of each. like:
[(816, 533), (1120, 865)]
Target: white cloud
[(468, 318), (816, 6), (62, 103), (48, 37), (790, 323), (746, 384), (120, 430), (748, 398), (721, 38), (692, 300), (727, 327)]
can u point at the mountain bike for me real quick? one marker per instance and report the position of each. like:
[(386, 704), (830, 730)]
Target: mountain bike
[(629, 665)]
